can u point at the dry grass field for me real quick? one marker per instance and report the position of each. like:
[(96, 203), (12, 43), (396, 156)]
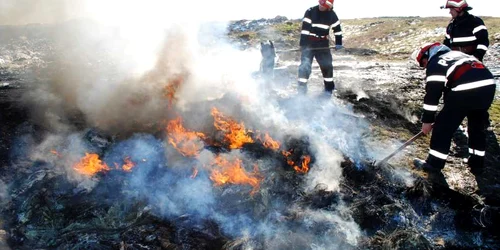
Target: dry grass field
[(392, 38)]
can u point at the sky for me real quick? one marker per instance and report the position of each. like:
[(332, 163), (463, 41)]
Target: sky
[(114, 11)]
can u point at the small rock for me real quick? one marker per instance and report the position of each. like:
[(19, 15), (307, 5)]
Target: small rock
[(3, 240), (150, 238), (4, 85)]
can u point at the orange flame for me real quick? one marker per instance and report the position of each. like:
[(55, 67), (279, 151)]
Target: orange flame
[(171, 89), (233, 173), (186, 142), (90, 164), (304, 167), (235, 133), (54, 152), (269, 142), (128, 165)]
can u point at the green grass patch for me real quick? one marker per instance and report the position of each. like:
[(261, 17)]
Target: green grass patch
[(495, 116), (246, 35), (288, 27)]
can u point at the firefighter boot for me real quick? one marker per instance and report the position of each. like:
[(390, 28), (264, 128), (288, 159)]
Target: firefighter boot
[(434, 175), (302, 88), (329, 87), (476, 164), (483, 181)]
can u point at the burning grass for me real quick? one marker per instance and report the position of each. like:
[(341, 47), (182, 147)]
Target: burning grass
[(47, 210), (50, 211)]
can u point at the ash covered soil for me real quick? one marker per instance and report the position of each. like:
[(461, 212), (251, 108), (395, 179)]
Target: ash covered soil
[(63, 95)]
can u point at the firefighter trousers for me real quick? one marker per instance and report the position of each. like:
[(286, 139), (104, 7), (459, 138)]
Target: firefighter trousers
[(324, 59), (447, 122)]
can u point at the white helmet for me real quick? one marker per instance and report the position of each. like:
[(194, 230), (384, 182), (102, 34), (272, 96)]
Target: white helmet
[(456, 4), (423, 52), (326, 3)]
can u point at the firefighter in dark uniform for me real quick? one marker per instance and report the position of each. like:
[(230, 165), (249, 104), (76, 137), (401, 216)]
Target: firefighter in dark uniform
[(465, 32), (316, 26), (468, 89)]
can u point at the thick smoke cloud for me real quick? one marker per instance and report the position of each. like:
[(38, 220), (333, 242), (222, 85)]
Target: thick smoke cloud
[(20, 12)]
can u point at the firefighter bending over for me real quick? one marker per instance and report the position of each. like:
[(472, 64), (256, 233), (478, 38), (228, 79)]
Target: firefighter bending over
[(468, 89)]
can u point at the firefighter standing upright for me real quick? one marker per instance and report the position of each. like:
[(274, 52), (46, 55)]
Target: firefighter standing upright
[(316, 25), (468, 89), (465, 32)]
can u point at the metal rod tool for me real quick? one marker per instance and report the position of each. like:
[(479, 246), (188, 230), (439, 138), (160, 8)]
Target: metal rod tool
[(383, 161)]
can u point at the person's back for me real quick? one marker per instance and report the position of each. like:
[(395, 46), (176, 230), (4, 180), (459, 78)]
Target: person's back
[(465, 76), (468, 89)]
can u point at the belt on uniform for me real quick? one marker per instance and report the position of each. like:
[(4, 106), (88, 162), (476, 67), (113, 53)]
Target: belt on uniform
[(315, 38), (465, 49), (464, 68)]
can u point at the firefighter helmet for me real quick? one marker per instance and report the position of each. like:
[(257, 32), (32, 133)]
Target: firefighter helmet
[(423, 52), (456, 4), (326, 3)]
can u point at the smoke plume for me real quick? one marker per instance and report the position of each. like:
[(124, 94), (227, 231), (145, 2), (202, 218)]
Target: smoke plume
[(126, 80)]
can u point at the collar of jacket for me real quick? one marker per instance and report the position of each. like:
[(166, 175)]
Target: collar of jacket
[(462, 17), (436, 51)]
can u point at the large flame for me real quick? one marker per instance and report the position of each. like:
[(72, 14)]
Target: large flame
[(232, 172), (235, 133), (186, 142), (90, 164)]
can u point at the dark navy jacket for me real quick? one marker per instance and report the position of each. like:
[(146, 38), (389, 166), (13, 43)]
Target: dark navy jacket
[(467, 33), (461, 79), (316, 26)]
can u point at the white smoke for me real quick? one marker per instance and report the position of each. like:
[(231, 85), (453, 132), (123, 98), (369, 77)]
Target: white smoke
[(4, 193), (326, 170), (113, 71)]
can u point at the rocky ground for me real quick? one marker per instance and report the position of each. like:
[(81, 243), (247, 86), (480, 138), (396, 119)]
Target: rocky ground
[(372, 88)]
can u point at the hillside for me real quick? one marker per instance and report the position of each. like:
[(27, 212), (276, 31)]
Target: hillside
[(385, 38)]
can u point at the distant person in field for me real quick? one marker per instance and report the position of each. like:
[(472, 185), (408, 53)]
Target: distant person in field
[(467, 89), (465, 32), (314, 43)]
